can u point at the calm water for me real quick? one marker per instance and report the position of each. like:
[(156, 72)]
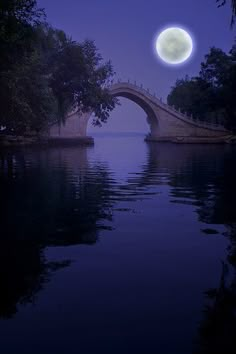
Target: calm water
[(121, 248)]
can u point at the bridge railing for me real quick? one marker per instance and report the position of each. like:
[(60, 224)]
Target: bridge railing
[(172, 109)]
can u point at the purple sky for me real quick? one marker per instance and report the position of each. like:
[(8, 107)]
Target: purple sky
[(124, 31)]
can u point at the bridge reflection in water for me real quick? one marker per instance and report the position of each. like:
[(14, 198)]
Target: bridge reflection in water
[(68, 196)]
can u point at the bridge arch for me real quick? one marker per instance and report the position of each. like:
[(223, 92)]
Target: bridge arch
[(166, 123), (125, 91)]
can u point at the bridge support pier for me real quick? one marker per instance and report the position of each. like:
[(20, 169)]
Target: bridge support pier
[(74, 132)]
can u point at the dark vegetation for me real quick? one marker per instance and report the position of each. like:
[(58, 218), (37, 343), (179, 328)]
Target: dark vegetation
[(44, 74), (210, 96)]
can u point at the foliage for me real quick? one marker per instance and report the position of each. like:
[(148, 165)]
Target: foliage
[(44, 74), (211, 95), (17, 21), (79, 80)]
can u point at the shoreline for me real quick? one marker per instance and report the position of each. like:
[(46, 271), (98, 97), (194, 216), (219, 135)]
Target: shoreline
[(24, 141)]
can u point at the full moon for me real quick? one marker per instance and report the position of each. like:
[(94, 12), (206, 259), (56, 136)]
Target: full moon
[(174, 45)]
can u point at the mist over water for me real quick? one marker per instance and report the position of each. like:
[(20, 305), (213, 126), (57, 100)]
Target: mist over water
[(114, 248)]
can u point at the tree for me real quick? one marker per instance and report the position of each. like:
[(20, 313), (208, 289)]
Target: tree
[(44, 74), (17, 20), (192, 96), (211, 95), (79, 79), (215, 68), (23, 89), (219, 71), (28, 102)]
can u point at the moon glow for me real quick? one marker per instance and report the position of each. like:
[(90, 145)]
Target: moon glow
[(174, 45)]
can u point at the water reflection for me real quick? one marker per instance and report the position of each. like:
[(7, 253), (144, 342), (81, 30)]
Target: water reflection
[(60, 197), (49, 197), (205, 177)]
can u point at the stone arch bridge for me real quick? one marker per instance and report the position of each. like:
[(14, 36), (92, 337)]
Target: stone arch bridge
[(166, 123)]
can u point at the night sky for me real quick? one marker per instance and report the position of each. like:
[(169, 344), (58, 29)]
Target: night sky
[(124, 32)]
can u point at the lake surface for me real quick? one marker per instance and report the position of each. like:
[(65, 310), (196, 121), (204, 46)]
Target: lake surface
[(124, 247)]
